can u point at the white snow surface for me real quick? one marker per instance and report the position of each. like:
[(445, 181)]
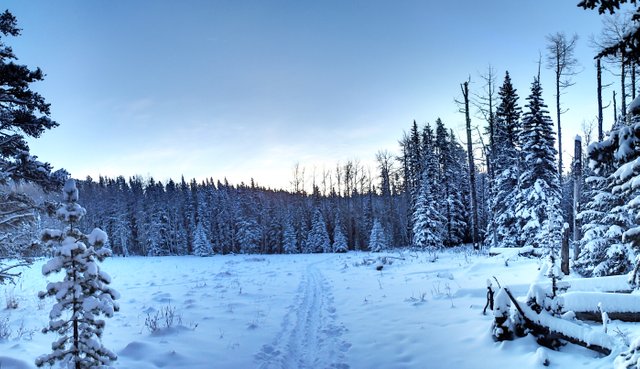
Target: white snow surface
[(304, 311)]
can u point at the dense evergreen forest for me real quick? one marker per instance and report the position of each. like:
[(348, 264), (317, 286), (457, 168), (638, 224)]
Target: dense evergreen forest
[(147, 217)]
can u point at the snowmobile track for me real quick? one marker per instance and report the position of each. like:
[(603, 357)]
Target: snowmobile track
[(310, 336)]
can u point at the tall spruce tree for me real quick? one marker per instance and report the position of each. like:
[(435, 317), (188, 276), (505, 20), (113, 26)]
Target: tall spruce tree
[(506, 168), (84, 293), (23, 114), (427, 220), (538, 202)]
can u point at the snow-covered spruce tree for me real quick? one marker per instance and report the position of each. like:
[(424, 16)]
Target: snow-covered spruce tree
[(23, 114), (248, 235), (289, 238), (427, 221), (506, 168), (451, 173), (378, 238), (538, 201), (84, 293), (318, 238), (201, 244), (604, 218), (339, 239), (626, 185)]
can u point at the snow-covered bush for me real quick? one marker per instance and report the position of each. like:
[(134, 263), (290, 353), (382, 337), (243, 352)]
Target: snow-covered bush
[(629, 359), (83, 294), (502, 325)]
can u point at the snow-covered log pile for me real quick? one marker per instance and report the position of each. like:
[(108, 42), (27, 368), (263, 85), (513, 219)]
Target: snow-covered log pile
[(550, 330), (554, 312)]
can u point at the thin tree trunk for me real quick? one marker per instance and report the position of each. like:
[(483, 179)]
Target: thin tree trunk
[(472, 169), (558, 111), (75, 307), (599, 69), (615, 110), (633, 80), (577, 193), (623, 85)]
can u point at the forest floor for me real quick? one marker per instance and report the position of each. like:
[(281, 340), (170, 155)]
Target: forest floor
[(299, 311)]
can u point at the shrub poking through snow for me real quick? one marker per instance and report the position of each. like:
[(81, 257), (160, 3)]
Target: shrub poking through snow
[(84, 292)]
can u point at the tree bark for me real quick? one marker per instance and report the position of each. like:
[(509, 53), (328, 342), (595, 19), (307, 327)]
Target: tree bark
[(615, 110), (623, 87), (472, 169), (564, 252), (633, 80), (577, 194), (599, 71), (558, 112)]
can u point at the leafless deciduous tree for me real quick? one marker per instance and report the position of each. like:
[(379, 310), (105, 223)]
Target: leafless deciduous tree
[(561, 59)]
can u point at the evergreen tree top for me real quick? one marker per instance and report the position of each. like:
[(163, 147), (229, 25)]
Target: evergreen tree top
[(23, 113), (538, 141)]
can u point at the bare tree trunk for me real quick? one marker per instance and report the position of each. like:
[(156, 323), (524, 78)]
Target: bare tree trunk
[(558, 111), (564, 251), (472, 169), (615, 110), (577, 194), (623, 86), (633, 80), (599, 69)]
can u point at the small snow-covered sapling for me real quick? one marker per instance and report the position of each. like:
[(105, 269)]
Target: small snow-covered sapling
[(84, 293)]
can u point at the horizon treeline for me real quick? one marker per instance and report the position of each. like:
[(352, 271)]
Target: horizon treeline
[(148, 217)]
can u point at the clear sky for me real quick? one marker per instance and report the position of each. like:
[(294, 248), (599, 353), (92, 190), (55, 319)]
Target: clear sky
[(243, 89)]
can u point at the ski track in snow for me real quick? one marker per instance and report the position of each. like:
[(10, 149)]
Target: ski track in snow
[(310, 336)]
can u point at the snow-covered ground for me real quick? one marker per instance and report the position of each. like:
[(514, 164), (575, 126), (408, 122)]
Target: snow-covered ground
[(300, 311)]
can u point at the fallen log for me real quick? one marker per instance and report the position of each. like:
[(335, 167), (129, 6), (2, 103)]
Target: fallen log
[(616, 283), (513, 251), (590, 305), (549, 328)]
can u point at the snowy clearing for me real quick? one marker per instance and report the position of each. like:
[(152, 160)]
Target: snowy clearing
[(301, 311)]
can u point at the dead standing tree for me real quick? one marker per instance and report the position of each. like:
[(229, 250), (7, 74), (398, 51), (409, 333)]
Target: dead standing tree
[(485, 105), (561, 60), (472, 170), (614, 30)]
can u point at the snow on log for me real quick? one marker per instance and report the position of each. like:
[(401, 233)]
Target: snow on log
[(591, 305), (548, 326), (615, 283), (513, 251)]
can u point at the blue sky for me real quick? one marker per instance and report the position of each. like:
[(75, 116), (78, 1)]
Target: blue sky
[(243, 89)]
